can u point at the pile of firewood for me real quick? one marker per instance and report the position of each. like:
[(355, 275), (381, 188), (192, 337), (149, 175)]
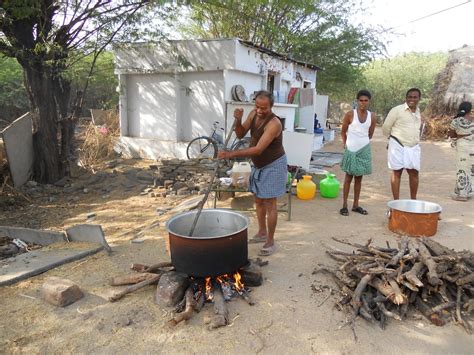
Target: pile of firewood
[(377, 283)]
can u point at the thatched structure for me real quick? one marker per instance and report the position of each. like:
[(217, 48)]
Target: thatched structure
[(454, 84)]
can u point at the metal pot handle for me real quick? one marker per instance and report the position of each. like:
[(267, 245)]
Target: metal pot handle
[(388, 213)]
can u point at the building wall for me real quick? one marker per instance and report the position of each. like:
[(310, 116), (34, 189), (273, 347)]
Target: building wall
[(169, 56), (151, 106), (201, 104), (250, 81)]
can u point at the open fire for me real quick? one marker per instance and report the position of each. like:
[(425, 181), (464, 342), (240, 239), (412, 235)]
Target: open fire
[(197, 290), (217, 290)]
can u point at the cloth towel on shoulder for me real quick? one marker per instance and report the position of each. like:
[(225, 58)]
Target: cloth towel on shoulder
[(357, 163), (401, 157), (270, 180)]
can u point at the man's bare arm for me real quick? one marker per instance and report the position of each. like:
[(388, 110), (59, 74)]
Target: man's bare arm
[(372, 125), (242, 129)]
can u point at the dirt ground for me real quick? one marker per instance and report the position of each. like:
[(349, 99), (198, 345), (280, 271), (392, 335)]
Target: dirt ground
[(288, 316)]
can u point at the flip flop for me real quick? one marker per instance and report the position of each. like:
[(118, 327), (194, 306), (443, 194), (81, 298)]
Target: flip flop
[(360, 210), (258, 239), (344, 211), (267, 251)]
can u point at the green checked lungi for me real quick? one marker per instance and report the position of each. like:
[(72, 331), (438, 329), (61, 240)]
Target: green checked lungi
[(357, 163)]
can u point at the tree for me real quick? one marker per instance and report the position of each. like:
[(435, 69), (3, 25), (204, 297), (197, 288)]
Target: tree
[(319, 32), (47, 37), (13, 99), (389, 79)]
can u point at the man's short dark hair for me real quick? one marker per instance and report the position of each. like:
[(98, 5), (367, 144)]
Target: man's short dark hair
[(364, 93), (267, 94), (413, 90)]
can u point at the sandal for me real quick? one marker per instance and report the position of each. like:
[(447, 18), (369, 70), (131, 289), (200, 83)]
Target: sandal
[(360, 210), (267, 251), (258, 239), (344, 211)]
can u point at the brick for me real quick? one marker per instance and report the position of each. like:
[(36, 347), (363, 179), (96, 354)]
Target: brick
[(60, 292)]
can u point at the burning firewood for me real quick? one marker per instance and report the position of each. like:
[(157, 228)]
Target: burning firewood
[(377, 283), (221, 317)]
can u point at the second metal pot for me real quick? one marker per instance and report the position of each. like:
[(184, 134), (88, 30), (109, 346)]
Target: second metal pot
[(415, 218)]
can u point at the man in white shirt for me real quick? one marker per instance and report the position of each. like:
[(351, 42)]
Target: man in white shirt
[(402, 126)]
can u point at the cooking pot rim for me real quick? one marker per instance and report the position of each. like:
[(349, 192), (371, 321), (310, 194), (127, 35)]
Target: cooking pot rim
[(247, 222), (394, 204)]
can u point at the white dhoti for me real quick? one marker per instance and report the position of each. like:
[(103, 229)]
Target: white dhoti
[(400, 157)]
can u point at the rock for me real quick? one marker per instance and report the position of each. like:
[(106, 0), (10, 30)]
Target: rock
[(152, 194), (51, 199), (251, 274), (171, 288), (61, 183), (153, 167), (60, 292), (112, 164), (144, 176), (85, 190), (167, 183), (31, 183), (179, 185), (91, 215)]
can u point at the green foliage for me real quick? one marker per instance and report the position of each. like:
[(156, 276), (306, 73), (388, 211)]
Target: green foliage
[(389, 79), (102, 88), (318, 32), (101, 92), (13, 99)]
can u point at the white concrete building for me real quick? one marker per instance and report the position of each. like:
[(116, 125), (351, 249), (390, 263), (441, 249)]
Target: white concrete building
[(172, 91)]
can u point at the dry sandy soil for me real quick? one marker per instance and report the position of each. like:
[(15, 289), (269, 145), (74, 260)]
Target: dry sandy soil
[(287, 317)]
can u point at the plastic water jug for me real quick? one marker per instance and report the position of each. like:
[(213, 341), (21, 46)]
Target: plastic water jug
[(306, 188), (241, 174), (329, 187)]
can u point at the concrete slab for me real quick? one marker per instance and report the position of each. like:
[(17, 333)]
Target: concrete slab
[(88, 233), (36, 262), (19, 156), (328, 159), (298, 148), (41, 237)]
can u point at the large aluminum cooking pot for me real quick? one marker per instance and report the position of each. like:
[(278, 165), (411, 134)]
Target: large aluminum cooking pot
[(218, 245), (414, 218)]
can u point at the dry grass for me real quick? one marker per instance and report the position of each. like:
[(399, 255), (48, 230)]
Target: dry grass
[(436, 128), (98, 142)]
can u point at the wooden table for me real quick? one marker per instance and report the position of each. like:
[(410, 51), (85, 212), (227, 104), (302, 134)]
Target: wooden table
[(286, 207)]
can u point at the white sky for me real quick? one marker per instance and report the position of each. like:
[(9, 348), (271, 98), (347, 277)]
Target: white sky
[(444, 31)]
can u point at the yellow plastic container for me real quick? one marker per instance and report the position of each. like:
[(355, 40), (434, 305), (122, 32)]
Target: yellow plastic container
[(306, 188)]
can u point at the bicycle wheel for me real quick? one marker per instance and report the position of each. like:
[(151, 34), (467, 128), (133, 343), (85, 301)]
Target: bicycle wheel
[(241, 144), (201, 147)]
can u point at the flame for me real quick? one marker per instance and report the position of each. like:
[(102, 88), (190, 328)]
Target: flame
[(239, 286), (208, 288)]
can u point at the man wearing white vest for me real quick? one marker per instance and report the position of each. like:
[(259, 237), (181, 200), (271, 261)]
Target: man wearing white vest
[(402, 127)]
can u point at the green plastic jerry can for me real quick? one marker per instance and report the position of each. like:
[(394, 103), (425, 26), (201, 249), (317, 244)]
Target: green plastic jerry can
[(329, 187)]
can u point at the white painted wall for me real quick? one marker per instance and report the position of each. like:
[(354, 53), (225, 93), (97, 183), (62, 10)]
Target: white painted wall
[(250, 81), (168, 56), (321, 109), (201, 104), (151, 106)]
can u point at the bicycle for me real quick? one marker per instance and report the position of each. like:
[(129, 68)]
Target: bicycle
[(208, 146)]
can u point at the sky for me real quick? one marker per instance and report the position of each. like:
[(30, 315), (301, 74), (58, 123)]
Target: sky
[(449, 29)]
